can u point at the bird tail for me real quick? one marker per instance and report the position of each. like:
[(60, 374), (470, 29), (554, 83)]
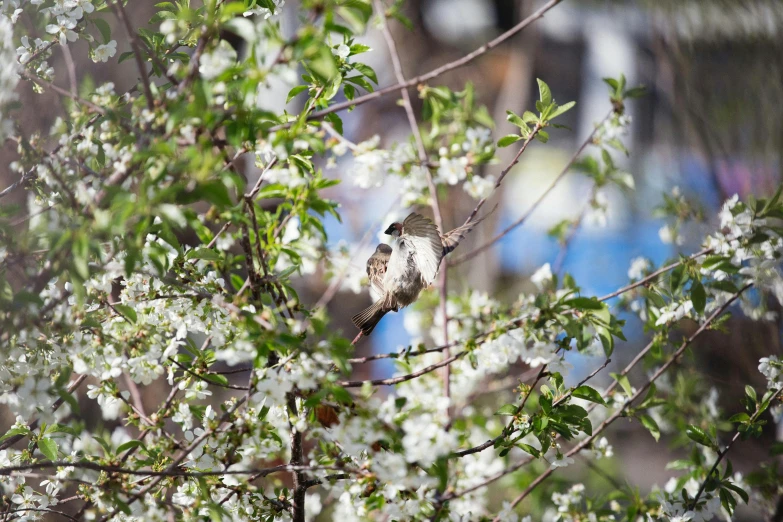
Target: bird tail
[(369, 317), (452, 239)]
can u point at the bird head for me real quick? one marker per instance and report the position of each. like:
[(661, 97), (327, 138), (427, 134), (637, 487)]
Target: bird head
[(395, 229), (383, 248)]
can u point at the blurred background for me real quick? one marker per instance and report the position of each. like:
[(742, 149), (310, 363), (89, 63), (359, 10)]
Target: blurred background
[(711, 125)]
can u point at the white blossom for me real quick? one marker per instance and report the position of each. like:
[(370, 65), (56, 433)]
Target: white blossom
[(263, 11), (213, 64), (638, 266), (542, 276), (102, 53), (478, 187), (342, 51)]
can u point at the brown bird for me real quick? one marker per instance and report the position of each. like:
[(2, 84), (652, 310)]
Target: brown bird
[(376, 270), (399, 273)]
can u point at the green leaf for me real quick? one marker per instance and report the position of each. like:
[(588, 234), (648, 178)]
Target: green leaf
[(126, 311), (529, 449), (738, 490), (698, 436), (48, 447), (358, 48), (215, 378), (103, 28), (589, 394), (21, 430), (624, 383), (652, 426), (296, 90), (361, 82), (203, 253), (698, 297), (607, 341), (636, 92), (740, 417), (367, 71), (124, 56), (323, 64), (545, 95), (507, 140), (507, 410), (336, 122), (542, 136), (515, 120), (585, 303), (62, 428), (128, 445), (562, 109), (611, 82)]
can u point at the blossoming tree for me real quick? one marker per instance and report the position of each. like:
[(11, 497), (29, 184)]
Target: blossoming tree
[(149, 262)]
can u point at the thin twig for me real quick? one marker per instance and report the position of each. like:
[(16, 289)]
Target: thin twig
[(654, 275), (397, 380), (59, 90), (71, 68)]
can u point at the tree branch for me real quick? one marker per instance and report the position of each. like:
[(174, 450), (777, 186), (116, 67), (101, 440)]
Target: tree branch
[(476, 251), (435, 72), (619, 413)]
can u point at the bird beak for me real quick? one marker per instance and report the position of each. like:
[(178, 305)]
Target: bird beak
[(390, 231)]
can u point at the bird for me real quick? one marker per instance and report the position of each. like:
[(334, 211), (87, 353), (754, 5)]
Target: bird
[(397, 274)]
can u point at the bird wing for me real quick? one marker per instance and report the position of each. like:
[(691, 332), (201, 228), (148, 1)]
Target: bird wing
[(376, 269), (424, 239), (453, 238)]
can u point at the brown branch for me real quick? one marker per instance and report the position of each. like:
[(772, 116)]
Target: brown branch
[(538, 127), (194, 61), (396, 380), (297, 457), (42, 510), (179, 472), (202, 378), (39, 52)]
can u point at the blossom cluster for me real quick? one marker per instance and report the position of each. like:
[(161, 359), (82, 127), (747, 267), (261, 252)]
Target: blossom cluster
[(164, 357)]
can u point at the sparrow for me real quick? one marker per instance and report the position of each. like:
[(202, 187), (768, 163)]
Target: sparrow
[(399, 273)]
